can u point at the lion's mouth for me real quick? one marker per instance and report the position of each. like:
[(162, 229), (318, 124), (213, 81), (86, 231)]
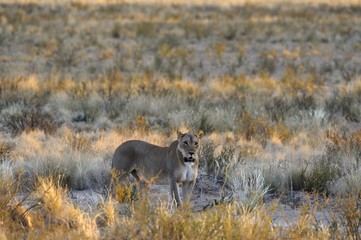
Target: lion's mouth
[(190, 159)]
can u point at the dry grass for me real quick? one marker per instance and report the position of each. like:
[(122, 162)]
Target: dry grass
[(47, 212), (275, 87)]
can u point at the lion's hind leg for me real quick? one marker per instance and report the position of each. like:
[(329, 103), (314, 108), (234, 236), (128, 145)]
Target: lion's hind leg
[(140, 179)]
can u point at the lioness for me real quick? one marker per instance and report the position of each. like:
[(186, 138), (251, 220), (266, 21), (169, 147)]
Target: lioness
[(179, 162)]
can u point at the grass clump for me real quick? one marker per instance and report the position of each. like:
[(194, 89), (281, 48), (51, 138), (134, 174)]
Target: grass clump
[(217, 164), (56, 205), (76, 170), (345, 150), (316, 178), (261, 129), (77, 142), (248, 187), (29, 120)]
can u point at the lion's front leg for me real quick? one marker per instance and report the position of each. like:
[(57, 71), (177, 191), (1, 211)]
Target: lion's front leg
[(187, 188), (174, 191)]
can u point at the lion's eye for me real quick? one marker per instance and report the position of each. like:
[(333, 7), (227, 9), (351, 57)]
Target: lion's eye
[(196, 143), (186, 143)]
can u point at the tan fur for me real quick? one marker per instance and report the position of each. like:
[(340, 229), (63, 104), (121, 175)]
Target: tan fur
[(178, 162)]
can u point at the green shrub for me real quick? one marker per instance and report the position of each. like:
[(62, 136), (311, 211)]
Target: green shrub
[(320, 177), (315, 176)]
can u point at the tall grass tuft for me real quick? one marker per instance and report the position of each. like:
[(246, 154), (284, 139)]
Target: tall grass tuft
[(248, 187)]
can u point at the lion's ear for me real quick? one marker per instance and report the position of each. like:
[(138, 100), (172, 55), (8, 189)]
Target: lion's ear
[(179, 135), (200, 134)]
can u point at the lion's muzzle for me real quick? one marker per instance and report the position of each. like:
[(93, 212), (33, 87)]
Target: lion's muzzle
[(190, 159)]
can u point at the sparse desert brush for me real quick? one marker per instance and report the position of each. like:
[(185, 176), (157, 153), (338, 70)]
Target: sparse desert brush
[(264, 82), (52, 214), (56, 215)]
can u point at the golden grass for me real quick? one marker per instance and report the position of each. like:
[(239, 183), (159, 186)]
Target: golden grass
[(51, 214)]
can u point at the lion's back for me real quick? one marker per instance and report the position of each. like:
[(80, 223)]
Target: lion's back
[(141, 155)]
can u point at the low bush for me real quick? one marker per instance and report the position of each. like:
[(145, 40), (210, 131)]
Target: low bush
[(29, 120)]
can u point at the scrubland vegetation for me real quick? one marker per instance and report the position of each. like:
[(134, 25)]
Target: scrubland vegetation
[(276, 88)]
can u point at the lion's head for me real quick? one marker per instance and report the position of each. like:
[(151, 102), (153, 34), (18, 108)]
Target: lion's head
[(189, 145)]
